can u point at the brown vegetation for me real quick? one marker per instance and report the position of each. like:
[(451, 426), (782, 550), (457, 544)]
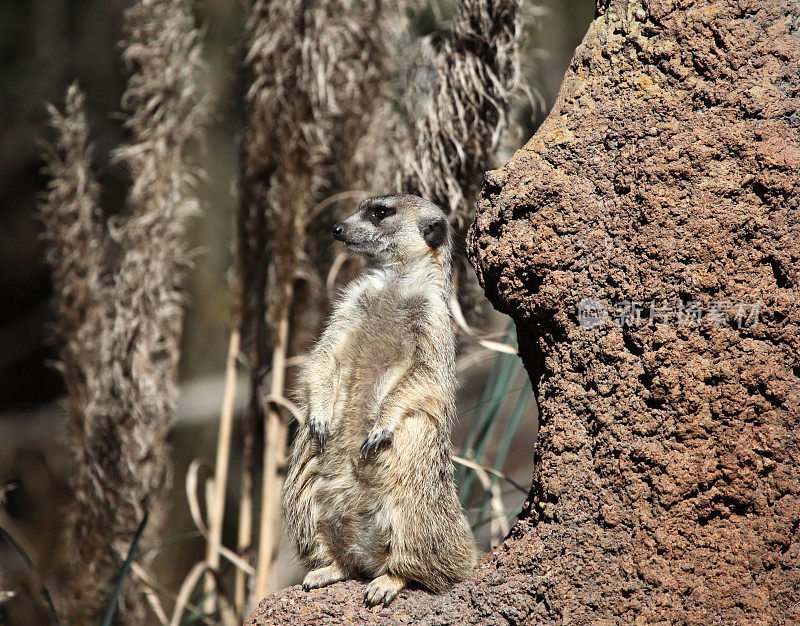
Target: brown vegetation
[(118, 297), (457, 105), (328, 118)]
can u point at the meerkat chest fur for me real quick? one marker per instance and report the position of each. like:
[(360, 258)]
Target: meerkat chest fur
[(398, 323)]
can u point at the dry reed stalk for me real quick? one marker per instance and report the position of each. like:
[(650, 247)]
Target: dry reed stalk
[(252, 262), (187, 587), (121, 318), (250, 316), (245, 528), (193, 484), (316, 79), (275, 445), (151, 587), (217, 503)]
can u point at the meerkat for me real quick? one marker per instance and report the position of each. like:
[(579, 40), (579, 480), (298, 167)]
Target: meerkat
[(369, 490)]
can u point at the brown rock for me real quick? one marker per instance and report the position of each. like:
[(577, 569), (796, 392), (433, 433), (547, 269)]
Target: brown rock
[(666, 484)]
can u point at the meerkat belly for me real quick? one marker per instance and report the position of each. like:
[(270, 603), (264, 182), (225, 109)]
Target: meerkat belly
[(355, 521), (353, 488), (379, 353)]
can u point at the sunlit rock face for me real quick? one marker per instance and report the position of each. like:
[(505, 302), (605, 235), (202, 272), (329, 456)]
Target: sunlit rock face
[(646, 242)]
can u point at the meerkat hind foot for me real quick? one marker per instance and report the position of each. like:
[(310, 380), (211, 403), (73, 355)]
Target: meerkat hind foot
[(323, 577), (383, 589)]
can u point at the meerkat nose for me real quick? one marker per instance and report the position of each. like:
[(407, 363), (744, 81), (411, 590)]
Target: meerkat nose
[(338, 230)]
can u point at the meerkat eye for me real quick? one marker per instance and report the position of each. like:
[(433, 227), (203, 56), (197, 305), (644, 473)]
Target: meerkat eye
[(381, 212)]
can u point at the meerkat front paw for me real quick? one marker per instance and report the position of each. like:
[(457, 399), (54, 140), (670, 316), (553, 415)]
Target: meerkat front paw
[(319, 428), (383, 589), (323, 577), (375, 440)]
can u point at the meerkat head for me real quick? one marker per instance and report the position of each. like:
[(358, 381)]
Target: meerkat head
[(400, 227)]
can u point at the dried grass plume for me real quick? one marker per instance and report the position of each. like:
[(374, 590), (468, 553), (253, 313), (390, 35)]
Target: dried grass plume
[(121, 317), (457, 105)]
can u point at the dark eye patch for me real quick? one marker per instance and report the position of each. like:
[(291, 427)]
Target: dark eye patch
[(379, 212)]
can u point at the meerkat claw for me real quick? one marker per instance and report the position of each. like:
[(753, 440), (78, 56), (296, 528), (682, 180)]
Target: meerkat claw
[(374, 441), (383, 590), (322, 577), (318, 430)]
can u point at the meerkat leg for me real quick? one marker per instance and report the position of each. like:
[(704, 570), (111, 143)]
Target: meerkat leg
[(323, 378), (387, 416), (378, 435), (323, 577), (405, 388), (321, 410), (383, 589), (322, 370)]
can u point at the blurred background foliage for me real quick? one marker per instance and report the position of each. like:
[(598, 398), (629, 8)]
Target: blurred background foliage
[(45, 45)]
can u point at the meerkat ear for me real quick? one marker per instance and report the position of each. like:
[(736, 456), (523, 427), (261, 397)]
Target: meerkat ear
[(433, 231)]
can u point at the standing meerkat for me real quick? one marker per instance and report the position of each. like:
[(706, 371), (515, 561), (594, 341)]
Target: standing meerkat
[(369, 490)]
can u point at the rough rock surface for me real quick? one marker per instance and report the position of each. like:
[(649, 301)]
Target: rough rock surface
[(666, 482)]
